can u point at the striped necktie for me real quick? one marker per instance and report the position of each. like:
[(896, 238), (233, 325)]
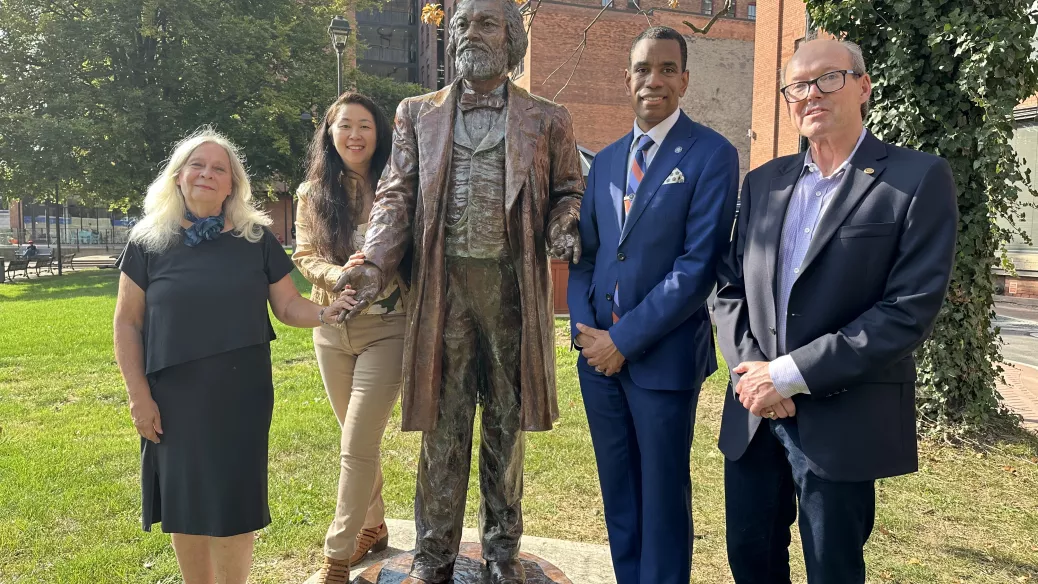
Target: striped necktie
[(634, 178)]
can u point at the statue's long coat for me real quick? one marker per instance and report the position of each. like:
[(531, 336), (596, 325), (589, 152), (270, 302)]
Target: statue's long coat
[(542, 181)]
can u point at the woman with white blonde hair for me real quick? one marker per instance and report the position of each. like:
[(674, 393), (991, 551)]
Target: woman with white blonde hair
[(192, 339)]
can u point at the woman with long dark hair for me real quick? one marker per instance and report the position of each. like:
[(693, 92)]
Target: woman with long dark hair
[(361, 359)]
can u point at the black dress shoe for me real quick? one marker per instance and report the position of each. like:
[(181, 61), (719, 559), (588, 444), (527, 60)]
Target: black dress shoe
[(506, 572)]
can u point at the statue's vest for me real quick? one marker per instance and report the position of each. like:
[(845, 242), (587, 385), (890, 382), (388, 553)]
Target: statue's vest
[(475, 194)]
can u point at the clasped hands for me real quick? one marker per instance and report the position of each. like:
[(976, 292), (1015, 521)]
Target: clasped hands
[(360, 282), (757, 392), (340, 306), (349, 297), (598, 348)]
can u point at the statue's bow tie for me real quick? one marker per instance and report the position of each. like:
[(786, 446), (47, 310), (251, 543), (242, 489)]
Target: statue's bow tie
[(472, 100)]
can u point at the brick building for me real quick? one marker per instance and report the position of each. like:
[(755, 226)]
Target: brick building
[(782, 24), (720, 64), (283, 216)]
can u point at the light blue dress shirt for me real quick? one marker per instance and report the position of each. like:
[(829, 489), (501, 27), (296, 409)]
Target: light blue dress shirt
[(811, 197)]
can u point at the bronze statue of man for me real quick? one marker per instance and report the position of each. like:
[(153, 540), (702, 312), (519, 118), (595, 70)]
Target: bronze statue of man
[(484, 181)]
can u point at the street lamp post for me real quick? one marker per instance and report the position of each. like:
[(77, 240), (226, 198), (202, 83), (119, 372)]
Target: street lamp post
[(339, 31), (57, 222)]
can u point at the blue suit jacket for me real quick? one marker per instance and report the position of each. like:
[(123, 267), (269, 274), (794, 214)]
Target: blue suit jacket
[(665, 258)]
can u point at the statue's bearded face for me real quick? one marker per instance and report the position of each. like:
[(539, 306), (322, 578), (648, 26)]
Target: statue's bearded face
[(482, 40)]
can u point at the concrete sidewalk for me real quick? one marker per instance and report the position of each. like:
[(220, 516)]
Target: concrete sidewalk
[(1020, 392), (582, 563), (1017, 319)]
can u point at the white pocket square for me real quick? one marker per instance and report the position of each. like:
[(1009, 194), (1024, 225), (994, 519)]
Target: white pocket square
[(675, 177)]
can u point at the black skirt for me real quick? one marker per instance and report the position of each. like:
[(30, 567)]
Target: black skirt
[(208, 475)]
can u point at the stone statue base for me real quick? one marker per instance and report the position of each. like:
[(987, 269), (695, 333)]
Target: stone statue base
[(467, 570)]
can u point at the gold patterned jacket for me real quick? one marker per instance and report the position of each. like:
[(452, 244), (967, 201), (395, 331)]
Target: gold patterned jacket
[(323, 274)]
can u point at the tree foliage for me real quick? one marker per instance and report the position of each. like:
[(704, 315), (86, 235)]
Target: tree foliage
[(93, 93), (385, 92), (947, 76)]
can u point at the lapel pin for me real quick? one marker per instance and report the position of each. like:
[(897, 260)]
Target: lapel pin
[(869, 171), (677, 150)]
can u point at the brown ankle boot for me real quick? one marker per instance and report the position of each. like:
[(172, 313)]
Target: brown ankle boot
[(334, 572), (370, 539)]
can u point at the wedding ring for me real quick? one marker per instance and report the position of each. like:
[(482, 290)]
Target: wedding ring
[(770, 414)]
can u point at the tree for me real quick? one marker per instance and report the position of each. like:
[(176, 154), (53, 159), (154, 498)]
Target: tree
[(385, 92), (947, 76), (93, 93)]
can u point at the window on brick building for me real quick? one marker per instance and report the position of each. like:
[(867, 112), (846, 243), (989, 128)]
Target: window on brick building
[(1025, 144), (708, 6), (731, 12), (751, 11)]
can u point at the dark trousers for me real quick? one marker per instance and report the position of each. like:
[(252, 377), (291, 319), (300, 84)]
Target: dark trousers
[(481, 362), (642, 440), (763, 492)]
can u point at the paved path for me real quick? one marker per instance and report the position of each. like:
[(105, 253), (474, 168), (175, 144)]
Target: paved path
[(582, 563), (1020, 392), (1018, 323)]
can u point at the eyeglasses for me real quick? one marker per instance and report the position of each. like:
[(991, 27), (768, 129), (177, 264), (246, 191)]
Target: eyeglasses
[(826, 83)]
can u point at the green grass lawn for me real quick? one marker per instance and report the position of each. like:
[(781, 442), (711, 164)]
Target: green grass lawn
[(70, 498)]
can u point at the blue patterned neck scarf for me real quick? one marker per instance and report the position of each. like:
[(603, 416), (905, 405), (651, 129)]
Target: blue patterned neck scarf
[(208, 228)]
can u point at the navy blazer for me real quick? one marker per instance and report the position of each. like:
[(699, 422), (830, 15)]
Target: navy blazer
[(867, 296), (665, 258)]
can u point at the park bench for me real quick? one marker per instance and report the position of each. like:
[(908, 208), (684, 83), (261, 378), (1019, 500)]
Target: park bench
[(43, 262), (96, 262), (66, 260), (19, 265)]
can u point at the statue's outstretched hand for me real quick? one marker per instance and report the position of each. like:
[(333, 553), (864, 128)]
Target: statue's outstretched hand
[(564, 238), (366, 279)]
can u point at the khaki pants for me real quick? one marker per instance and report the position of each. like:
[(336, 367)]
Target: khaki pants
[(361, 365)]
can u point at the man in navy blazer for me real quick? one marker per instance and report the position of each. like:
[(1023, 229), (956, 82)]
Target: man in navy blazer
[(839, 265), (655, 220)]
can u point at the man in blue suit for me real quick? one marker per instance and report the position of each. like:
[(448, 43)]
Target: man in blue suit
[(655, 220)]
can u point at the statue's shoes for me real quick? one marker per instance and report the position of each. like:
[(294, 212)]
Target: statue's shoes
[(417, 580), (506, 572)]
